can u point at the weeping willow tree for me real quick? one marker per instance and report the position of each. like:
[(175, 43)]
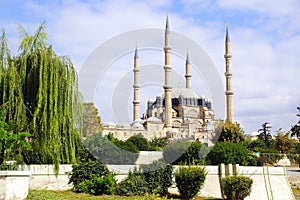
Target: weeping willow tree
[(39, 92)]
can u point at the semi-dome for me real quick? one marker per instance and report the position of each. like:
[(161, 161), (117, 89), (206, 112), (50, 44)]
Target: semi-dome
[(125, 125), (153, 119), (137, 126), (109, 124)]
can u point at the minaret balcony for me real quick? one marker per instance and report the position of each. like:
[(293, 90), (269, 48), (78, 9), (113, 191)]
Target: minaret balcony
[(228, 74), (227, 56), (229, 92), (167, 48), (136, 102), (167, 87)]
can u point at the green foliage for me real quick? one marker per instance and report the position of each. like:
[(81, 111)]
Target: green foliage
[(231, 132), (86, 171), (112, 150), (134, 184), (265, 134), (158, 176), (39, 93), (159, 142), (296, 128), (270, 158), (98, 185), (297, 148), (11, 143), (236, 187), (256, 146), (91, 119), (140, 142), (189, 180), (283, 142), (229, 153), (154, 178), (185, 152), (294, 158)]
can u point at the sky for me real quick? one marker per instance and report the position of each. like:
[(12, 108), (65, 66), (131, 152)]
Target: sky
[(265, 42)]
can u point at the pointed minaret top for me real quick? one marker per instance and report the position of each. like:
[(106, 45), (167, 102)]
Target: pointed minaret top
[(187, 58), (227, 33), (136, 55), (167, 25)]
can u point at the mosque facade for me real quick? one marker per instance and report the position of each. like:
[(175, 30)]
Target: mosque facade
[(179, 113)]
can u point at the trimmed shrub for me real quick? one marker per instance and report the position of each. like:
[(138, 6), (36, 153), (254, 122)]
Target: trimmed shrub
[(236, 187), (189, 180), (158, 176), (93, 178), (185, 152), (98, 185), (229, 153), (154, 178), (86, 171), (134, 184)]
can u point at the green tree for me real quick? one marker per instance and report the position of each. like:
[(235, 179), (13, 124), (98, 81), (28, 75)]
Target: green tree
[(265, 134), (283, 143), (111, 151), (230, 153), (159, 141), (296, 128), (140, 142), (231, 132), (185, 152), (39, 93), (91, 119)]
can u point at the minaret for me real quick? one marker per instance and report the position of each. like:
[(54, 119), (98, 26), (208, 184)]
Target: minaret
[(228, 75), (136, 86), (168, 70), (188, 75)]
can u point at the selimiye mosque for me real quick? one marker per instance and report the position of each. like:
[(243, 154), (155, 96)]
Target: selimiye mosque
[(179, 113)]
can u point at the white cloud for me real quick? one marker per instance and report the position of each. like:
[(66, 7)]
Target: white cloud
[(265, 44)]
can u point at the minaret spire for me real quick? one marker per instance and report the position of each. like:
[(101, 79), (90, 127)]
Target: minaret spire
[(136, 86), (188, 75), (168, 69), (228, 75)]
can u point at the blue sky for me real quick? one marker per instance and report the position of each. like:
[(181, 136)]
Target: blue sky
[(265, 38)]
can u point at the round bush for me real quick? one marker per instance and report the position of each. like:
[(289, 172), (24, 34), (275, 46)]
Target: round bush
[(236, 187), (189, 180)]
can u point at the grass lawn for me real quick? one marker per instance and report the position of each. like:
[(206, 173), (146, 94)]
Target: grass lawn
[(69, 195)]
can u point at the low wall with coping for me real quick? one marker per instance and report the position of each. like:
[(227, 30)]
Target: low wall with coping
[(268, 182), (14, 185)]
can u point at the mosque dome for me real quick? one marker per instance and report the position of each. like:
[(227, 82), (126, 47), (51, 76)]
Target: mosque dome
[(186, 92)]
